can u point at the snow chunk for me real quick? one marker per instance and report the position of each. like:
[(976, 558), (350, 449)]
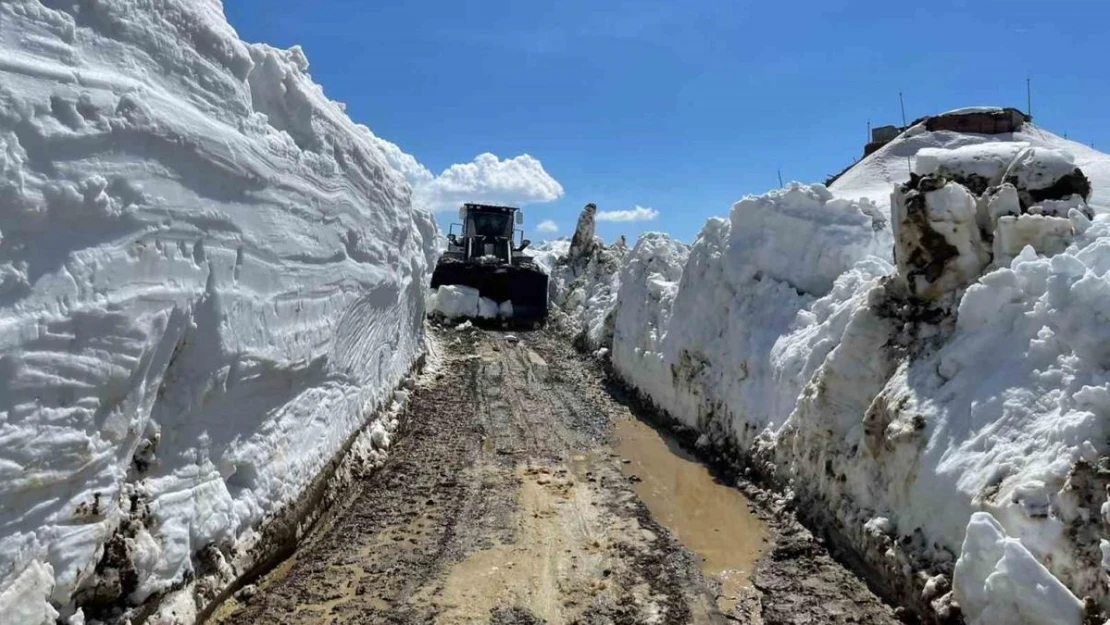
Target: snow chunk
[(1045, 235), (455, 301), (1002, 202), (548, 253), (487, 308), (25, 599), (937, 242), (379, 436), (998, 582), (880, 526), (987, 162), (1037, 168)]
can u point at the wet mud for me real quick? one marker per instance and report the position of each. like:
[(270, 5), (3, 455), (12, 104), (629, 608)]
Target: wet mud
[(523, 491)]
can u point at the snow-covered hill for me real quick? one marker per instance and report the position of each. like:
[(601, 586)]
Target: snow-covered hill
[(951, 405), (875, 175), (210, 279)]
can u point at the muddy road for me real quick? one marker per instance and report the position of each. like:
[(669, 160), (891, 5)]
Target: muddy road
[(524, 490)]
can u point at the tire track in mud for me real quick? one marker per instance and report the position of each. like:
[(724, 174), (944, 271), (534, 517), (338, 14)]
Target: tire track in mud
[(503, 503)]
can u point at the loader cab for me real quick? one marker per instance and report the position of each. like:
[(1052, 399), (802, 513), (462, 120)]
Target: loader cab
[(487, 231), (488, 223)]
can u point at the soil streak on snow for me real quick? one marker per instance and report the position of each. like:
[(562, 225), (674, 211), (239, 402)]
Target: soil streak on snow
[(506, 502)]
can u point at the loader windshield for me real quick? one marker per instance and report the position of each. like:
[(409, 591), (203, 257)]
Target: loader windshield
[(492, 224)]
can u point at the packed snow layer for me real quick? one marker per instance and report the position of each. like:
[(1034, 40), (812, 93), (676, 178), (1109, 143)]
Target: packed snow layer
[(900, 409), (876, 174), (210, 278)]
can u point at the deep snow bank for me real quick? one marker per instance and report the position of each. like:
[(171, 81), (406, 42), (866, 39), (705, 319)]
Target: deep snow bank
[(698, 334), (898, 399), (210, 278)]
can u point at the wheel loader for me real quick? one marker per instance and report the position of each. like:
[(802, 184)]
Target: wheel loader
[(485, 255)]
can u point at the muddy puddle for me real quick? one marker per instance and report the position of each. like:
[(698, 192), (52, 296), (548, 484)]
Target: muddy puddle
[(564, 557), (711, 519)]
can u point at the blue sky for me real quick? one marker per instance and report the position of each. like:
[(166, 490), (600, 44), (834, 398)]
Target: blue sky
[(683, 107)]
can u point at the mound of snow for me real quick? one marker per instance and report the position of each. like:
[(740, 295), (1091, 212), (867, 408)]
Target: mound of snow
[(584, 281), (210, 278), (583, 292)]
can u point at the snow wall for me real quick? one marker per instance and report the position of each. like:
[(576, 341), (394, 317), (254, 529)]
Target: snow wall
[(922, 417), (210, 279)]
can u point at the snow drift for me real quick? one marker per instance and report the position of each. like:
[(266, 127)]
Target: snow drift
[(947, 401), (210, 279)]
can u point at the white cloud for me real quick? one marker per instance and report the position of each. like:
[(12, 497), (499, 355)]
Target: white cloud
[(490, 180), (547, 226), (487, 179), (636, 214)]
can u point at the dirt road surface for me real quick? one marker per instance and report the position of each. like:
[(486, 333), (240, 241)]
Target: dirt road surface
[(524, 490)]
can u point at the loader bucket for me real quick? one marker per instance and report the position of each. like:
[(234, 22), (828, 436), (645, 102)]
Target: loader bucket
[(525, 286)]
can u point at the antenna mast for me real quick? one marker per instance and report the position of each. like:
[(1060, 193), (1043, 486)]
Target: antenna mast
[(1028, 97)]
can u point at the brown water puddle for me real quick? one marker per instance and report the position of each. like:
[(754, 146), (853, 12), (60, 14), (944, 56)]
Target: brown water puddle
[(711, 519)]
